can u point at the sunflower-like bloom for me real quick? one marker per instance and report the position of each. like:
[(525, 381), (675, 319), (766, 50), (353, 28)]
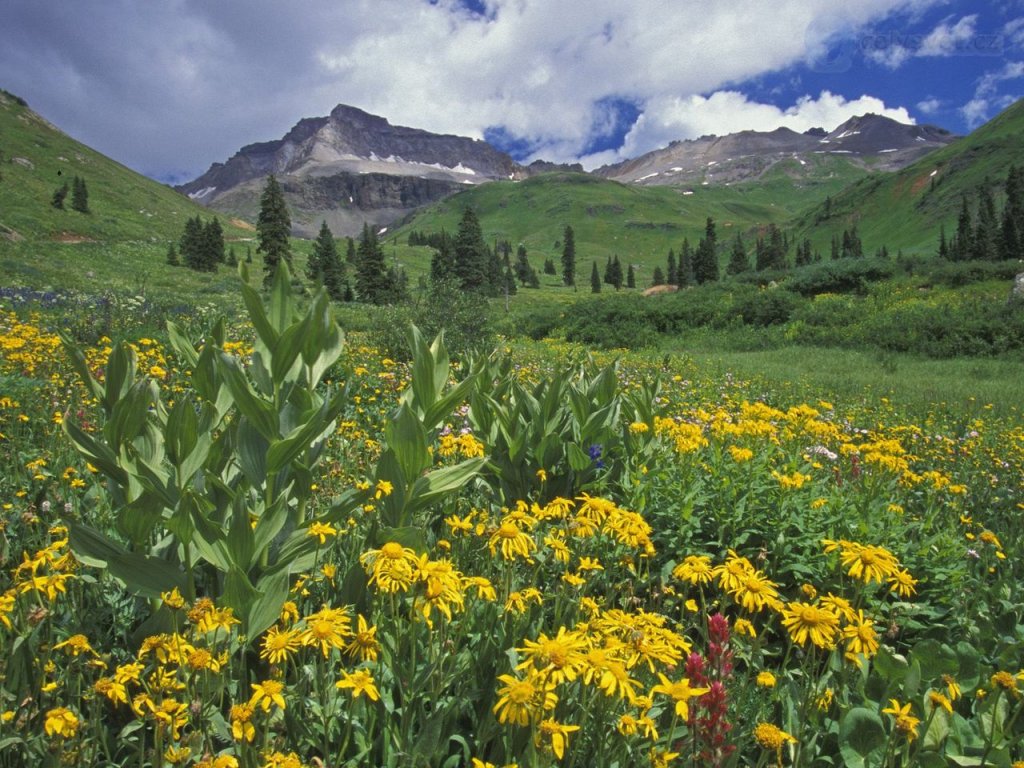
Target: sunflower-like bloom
[(267, 693), (242, 727), (279, 644), (443, 584), (906, 723), (521, 701), (680, 691), (363, 645), (558, 658), (327, 628), (805, 621), (865, 562), (392, 567), (772, 737), (62, 722), (608, 672), (512, 541), (755, 592), (558, 733), (902, 583), (695, 569), (860, 636), (731, 573), (361, 683)]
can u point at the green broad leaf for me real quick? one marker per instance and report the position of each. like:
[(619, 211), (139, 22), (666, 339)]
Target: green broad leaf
[(182, 429), (282, 305), (283, 452), (96, 453), (269, 524), (861, 733), (937, 731), (935, 659), (251, 451), (137, 520), (444, 405), (260, 413), (257, 314), (434, 485), (182, 345), (393, 505), (578, 460), (890, 665), (240, 540), (119, 375), (353, 588), (78, 362), (286, 352), (265, 609), (92, 547), (405, 436), (146, 575), (409, 536), (239, 593)]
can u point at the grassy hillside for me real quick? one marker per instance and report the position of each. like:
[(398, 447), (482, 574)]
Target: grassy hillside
[(639, 224), (120, 245), (905, 210)]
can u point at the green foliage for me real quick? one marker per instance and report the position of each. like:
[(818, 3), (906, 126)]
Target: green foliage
[(325, 266), (59, 195), (79, 195), (471, 256), (373, 285), (273, 227), (569, 257), (211, 490)]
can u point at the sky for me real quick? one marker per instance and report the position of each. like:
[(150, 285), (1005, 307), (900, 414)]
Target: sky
[(168, 87)]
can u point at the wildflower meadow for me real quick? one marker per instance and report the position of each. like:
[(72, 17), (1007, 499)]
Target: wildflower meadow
[(255, 542)]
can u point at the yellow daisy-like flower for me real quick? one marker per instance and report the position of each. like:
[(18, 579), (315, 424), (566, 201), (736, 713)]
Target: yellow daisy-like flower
[(805, 621), (321, 531), (559, 658), (754, 592), (952, 687), (902, 583), (62, 722), (732, 571), (327, 628), (558, 733), (360, 683), (242, 728), (392, 567), (772, 737), (939, 700), (906, 723), (267, 693), (522, 700), (279, 644), (363, 645), (860, 636), (512, 541), (766, 679), (680, 691), (75, 645), (696, 569), (868, 563)]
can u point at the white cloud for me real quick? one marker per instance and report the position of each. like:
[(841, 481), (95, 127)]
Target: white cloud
[(946, 39), (177, 85), (728, 111), (989, 82), (987, 98), (975, 112), (894, 48), (929, 106)]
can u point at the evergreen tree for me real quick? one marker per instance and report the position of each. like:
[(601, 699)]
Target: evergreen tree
[(472, 257), (350, 250), (273, 226), (705, 259), (803, 254), (1012, 229), (671, 275), (191, 244), (372, 283), (835, 248), (630, 277), (212, 248), (509, 279), (595, 278), (569, 257), (525, 273), (172, 256), (59, 195), (79, 195), (943, 245), (325, 266), (738, 259), (608, 271), (985, 244), (962, 247), (684, 268), (232, 257), (549, 267), (616, 272), (658, 278)]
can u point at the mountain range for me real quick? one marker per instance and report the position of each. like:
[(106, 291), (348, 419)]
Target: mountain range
[(352, 167)]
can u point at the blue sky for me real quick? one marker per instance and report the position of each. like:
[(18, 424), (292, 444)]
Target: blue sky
[(170, 87)]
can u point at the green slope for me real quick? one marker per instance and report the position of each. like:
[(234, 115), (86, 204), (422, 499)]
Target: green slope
[(905, 210), (121, 244), (639, 224)]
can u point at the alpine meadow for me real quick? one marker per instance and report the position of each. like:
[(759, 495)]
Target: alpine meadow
[(374, 446)]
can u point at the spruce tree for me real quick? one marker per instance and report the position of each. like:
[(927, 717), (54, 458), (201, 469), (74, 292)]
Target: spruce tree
[(190, 246), (472, 257), (212, 248), (372, 283), (232, 260), (1012, 229), (79, 195), (569, 257), (705, 260), (943, 245), (325, 266), (616, 272), (350, 250), (59, 195), (595, 278), (273, 226), (671, 275), (738, 259), (835, 248), (962, 247), (172, 256), (658, 277), (630, 277), (684, 268), (985, 243), (524, 272), (549, 267), (608, 271)]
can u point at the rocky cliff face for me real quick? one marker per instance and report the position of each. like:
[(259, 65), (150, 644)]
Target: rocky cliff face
[(351, 167), (870, 142)]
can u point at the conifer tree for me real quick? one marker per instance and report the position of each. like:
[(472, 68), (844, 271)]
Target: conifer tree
[(549, 267), (671, 275), (325, 266), (1012, 229), (616, 272), (834, 255), (350, 250), (738, 259), (630, 277), (273, 226), (190, 246), (962, 247), (172, 256), (472, 257), (442, 262), (79, 195), (232, 260), (59, 195), (943, 245), (595, 278), (569, 257), (657, 277), (212, 248), (608, 271), (372, 283), (705, 259), (684, 268), (985, 242)]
